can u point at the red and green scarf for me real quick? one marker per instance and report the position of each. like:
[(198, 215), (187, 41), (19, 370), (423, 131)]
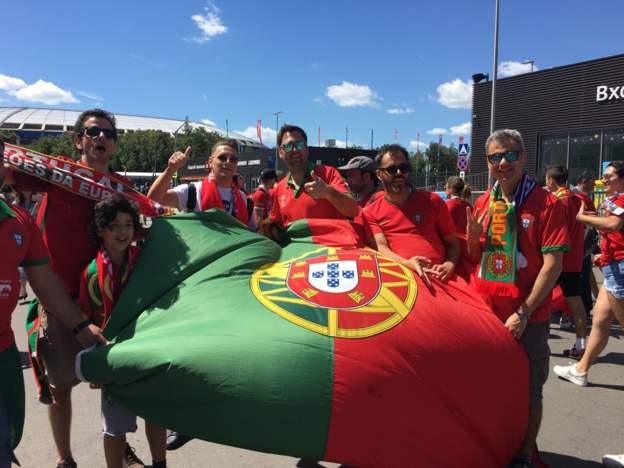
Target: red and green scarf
[(497, 274), (211, 198), (563, 192), (101, 285)]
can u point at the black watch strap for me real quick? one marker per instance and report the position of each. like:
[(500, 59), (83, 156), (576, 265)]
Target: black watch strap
[(82, 325)]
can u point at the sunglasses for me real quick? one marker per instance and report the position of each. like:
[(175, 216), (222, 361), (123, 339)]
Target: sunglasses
[(510, 156), (224, 158), (392, 170), (95, 131), (298, 145)]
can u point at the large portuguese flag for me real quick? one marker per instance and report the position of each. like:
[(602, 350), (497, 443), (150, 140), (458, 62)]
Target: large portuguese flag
[(321, 348)]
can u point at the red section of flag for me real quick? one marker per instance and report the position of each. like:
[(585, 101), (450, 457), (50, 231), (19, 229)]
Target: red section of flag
[(259, 130)]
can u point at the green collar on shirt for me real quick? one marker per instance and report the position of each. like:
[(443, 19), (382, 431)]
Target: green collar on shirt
[(293, 185), (6, 211)]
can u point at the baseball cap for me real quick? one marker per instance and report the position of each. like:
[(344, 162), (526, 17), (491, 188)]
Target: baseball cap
[(363, 163)]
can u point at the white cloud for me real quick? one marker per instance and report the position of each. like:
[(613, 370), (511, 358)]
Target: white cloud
[(209, 23), (437, 131), (400, 110), (463, 129), (208, 122), (512, 68), (352, 95), (456, 94), (91, 96), (268, 135), (418, 145), (44, 92), (9, 83)]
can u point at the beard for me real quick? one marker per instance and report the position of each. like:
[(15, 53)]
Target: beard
[(396, 185)]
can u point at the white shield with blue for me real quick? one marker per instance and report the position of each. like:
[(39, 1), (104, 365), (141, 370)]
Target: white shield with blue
[(334, 277)]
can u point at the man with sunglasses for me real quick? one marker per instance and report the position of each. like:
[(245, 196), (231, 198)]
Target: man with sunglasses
[(63, 218), (307, 191), (517, 235), (216, 190), (413, 227)]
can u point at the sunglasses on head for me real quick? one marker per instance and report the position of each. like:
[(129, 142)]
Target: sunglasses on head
[(405, 168), (298, 145), (510, 156), (224, 158), (95, 131)]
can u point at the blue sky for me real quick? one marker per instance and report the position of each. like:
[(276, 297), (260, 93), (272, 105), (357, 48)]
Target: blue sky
[(399, 67)]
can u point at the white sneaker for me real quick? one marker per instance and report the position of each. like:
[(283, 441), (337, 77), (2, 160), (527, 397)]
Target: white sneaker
[(569, 373), (613, 461)]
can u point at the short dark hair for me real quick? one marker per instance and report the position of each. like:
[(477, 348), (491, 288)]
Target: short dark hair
[(392, 149), (290, 129), (618, 166), (558, 173), (100, 113), (106, 211), (229, 142), (268, 174), (585, 175)]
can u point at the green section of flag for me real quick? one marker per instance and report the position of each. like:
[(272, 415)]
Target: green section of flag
[(205, 357)]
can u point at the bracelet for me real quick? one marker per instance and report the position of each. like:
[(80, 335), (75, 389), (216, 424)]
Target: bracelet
[(81, 326), (522, 316)]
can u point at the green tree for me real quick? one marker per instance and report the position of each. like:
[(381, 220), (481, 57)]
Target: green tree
[(142, 151), (199, 139), (54, 145)]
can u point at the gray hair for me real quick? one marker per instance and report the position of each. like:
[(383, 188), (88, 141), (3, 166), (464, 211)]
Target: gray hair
[(506, 135)]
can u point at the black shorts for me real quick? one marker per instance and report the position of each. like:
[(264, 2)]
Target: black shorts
[(570, 283)]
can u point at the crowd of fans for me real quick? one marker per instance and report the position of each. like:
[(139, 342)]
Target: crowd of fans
[(513, 245)]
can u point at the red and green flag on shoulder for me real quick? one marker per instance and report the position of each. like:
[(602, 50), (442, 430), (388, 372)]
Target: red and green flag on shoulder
[(321, 348)]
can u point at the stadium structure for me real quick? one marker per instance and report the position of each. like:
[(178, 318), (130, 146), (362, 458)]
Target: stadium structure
[(29, 123)]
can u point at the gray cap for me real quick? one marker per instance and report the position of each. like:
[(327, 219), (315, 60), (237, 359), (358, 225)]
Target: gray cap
[(363, 163)]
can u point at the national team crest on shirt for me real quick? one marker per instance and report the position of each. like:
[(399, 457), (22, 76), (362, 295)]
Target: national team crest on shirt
[(418, 218), (526, 222), (19, 239), (348, 293)]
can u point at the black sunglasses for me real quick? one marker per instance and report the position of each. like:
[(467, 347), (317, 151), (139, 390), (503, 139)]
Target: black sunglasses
[(510, 156), (224, 158), (298, 145), (405, 168), (95, 131)]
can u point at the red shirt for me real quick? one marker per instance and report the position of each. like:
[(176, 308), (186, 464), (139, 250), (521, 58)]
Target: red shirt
[(457, 206), (573, 258), (541, 228), (20, 245), (286, 208), (612, 243), (418, 227), (587, 201), (64, 219), (262, 199)]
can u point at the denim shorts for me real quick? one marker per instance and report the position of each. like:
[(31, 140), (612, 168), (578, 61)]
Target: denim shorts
[(614, 278), (116, 421)]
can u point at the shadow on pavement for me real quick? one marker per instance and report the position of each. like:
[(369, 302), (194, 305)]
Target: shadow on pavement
[(611, 358), (556, 460), (607, 386)]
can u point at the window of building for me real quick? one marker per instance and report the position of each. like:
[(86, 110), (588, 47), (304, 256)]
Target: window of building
[(584, 152), (553, 151), (613, 145)]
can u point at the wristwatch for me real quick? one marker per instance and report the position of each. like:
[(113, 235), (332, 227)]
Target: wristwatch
[(523, 316)]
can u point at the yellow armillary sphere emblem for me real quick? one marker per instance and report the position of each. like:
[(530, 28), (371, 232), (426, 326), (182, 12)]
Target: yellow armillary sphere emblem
[(346, 293)]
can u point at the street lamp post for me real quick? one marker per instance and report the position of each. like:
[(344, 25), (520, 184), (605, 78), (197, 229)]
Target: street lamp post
[(276, 114)]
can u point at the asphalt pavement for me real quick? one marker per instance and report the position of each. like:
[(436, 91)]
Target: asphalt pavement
[(580, 424)]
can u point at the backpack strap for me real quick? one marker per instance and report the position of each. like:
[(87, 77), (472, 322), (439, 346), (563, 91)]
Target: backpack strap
[(191, 201)]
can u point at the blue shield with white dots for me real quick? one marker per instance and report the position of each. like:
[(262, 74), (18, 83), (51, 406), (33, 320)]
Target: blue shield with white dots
[(334, 277)]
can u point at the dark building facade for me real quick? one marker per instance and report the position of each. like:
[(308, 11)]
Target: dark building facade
[(250, 163), (571, 116)]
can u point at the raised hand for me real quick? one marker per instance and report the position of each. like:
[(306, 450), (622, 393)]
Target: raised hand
[(179, 159), (318, 188), (474, 226)]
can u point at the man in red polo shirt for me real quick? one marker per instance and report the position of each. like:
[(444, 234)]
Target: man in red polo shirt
[(307, 191), (262, 196), (64, 218), (517, 235), (411, 226), (570, 279), (21, 245)]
